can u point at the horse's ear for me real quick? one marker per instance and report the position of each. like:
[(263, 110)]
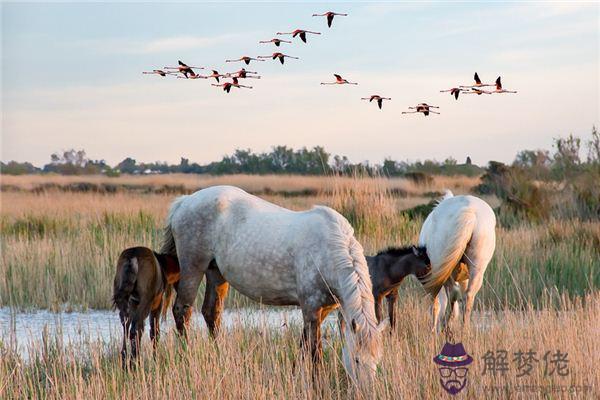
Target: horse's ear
[(416, 251), (354, 326)]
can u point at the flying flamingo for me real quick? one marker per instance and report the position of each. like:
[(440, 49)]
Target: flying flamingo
[(299, 32), (499, 88), (184, 69), (245, 59), (477, 82), (158, 72), (242, 73), (228, 85), (421, 108), (329, 15), (339, 81), (453, 92), (215, 74), (280, 56), (376, 97), (275, 41), (478, 92)]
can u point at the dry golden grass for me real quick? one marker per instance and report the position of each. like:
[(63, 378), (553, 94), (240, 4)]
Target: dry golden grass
[(251, 183), (265, 363)]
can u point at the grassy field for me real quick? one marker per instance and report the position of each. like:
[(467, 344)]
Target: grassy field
[(59, 247)]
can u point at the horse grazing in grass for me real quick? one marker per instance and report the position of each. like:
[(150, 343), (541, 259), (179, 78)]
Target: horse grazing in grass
[(142, 286), (460, 236), (278, 257), (389, 268)]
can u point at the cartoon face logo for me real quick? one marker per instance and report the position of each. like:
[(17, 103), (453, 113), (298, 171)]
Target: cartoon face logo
[(452, 362)]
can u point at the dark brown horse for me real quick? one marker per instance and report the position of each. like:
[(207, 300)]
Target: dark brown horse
[(389, 268), (143, 285)]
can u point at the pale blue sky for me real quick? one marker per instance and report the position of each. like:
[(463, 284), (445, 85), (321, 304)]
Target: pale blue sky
[(71, 76)]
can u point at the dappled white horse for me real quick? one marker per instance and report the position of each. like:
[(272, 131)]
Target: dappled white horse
[(278, 257), (460, 236)]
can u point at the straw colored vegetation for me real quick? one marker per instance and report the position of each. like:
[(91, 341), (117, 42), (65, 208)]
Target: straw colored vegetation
[(266, 364), (59, 248)]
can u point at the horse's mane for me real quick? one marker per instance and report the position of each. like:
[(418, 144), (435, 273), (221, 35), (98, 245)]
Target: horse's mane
[(354, 283), (399, 251)]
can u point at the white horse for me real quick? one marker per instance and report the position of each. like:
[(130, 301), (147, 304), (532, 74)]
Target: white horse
[(279, 257), (460, 236)]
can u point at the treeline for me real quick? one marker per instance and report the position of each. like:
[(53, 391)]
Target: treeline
[(541, 184), (564, 161), (280, 160)]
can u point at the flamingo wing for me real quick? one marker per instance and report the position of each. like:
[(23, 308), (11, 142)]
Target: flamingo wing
[(330, 19), (498, 84), (477, 80), (303, 36), (338, 78), (380, 102)]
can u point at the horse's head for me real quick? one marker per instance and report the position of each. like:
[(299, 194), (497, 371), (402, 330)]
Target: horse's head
[(421, 264), (362, 352)]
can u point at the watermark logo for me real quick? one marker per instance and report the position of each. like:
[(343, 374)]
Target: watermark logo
[(452, 365)]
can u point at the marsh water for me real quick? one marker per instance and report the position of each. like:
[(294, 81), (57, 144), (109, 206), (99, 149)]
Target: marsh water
[(21, 330)]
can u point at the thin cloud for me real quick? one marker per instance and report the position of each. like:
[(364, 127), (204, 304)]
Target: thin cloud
[(160, 45), (178, 43)]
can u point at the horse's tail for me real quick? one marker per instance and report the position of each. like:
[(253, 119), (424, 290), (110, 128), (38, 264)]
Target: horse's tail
[(451, 251), (168, 244), (125, 281)]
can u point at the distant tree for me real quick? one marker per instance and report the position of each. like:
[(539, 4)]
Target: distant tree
[(128, 166), (566, 156), (17, 168), (593, 145)]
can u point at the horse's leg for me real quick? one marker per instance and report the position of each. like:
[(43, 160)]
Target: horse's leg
[(378, 307), (192, 272), (392, 297), (475, 282), (311, 334), (135, 335), (214, 299), (449, 312), (155, 326), (125, 324), (440, 302)]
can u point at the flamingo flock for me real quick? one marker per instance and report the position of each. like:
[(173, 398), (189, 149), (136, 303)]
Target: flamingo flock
[(184, 71)]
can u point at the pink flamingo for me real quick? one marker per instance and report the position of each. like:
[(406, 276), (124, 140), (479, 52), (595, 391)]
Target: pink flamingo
[(215, 74), (376, 97), (478, 92), (245, 59), (477, 82), (499, 88), (329, 15), (339, 81), (158, 72), (275, 41), (421, 108), (228, 85), (453, 92), (299, 32), (280, 56), (242, 73), (184, 69)]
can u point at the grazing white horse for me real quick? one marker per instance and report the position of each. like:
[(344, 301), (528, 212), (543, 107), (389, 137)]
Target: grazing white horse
[(460, 236), (279, 257)]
